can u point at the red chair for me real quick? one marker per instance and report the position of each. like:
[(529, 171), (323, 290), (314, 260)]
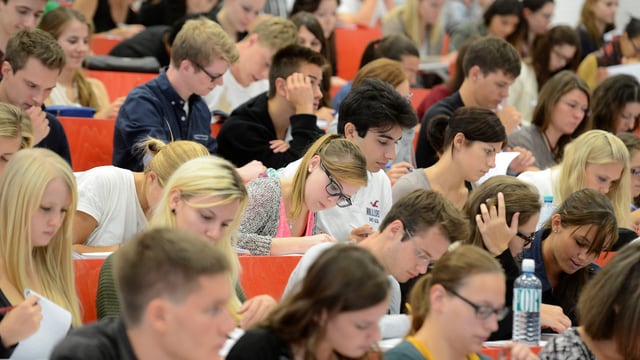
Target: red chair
[(90, 141), (120, 83), (605, 257), (87, 272), (266, 275), (350, 44), (101, 44)]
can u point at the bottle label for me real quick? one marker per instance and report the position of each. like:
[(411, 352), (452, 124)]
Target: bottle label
[(526, 300)]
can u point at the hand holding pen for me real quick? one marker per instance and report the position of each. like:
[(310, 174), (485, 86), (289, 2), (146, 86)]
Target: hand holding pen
[(395, 171), (20, 321)]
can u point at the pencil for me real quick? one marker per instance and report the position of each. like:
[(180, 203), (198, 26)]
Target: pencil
[(6, 309)]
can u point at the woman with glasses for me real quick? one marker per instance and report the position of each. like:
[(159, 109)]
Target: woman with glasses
[(470, 140), (565, 248), (561, 114), (280, 216), (620, 50), (616, 104), (503, 213), (455, 308), (595, 160)]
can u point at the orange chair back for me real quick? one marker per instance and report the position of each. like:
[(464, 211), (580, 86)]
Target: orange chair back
[(90, 141), (101, 44), (350, 44), (266, 275), (605, 257), (120, 83), (87, 272)]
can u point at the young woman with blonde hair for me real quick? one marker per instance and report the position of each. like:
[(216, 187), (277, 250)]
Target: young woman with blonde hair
[(205, 196), (15, 132), (595, 160), (420, 21), (280, 217), (115, 203), (37, 201), (72, 31), (597, 17)]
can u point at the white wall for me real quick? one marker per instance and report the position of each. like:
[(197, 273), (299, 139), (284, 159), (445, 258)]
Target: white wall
[(568, 12)]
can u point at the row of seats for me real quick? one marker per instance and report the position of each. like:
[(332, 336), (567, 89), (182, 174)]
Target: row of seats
[(260, 275)]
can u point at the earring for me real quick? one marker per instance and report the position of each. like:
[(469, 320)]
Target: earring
[(173, 211), (309, 169)]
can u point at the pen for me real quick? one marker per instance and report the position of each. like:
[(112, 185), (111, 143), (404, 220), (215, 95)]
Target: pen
[(410, 169), (6, 309)]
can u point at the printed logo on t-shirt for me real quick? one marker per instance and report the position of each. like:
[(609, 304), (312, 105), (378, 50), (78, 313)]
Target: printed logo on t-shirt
[(373, 212)]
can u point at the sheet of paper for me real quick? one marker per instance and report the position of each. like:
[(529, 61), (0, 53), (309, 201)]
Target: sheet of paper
[(503, 159), (54, 326), (630, 69)]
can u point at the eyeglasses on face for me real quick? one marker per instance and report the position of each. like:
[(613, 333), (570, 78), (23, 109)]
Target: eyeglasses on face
[(528, 239), (483, 312), (212, 77), (420, 254), (334, 189)]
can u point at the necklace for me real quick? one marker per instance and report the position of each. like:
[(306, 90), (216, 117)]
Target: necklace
[(553, 149)]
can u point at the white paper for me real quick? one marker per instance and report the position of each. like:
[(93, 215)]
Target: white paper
[(630, 69), (92, 255), (503, 159), (54, 326)]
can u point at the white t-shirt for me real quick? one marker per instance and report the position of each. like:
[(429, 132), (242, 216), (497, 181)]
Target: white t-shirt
[(231, 94), (352, 7), (543, 181), (369, 206), (108, 194), (392, 325)]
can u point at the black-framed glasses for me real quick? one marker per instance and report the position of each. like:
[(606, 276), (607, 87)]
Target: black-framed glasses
[(420, 254), (212, 77), (334, 189), (483, 312), (528, 239)]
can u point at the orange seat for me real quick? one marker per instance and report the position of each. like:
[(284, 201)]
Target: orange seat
[(498, 353), (215, 129), (90, 141), (87, 272), (101, 44), (350, 44), (266, 275), (418, 96), (120, 83), (605, 257)]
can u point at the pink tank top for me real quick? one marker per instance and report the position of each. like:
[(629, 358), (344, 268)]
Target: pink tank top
[(283, 225)]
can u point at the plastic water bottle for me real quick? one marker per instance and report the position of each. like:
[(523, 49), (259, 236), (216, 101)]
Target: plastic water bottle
[(546, 211), (527, 295)]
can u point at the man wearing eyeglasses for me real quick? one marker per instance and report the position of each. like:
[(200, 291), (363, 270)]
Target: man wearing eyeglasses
[(416, 232), (170, 107)]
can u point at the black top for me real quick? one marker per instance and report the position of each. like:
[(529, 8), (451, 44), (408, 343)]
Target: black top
[(5, 352), (246, 134), (511, 272), (426, 155), (148, 42), (260, 344), (163, 12), (56, 140), (102, 20), (101, 340)]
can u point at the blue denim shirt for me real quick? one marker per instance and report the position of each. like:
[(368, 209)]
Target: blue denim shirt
[(155, 109)]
